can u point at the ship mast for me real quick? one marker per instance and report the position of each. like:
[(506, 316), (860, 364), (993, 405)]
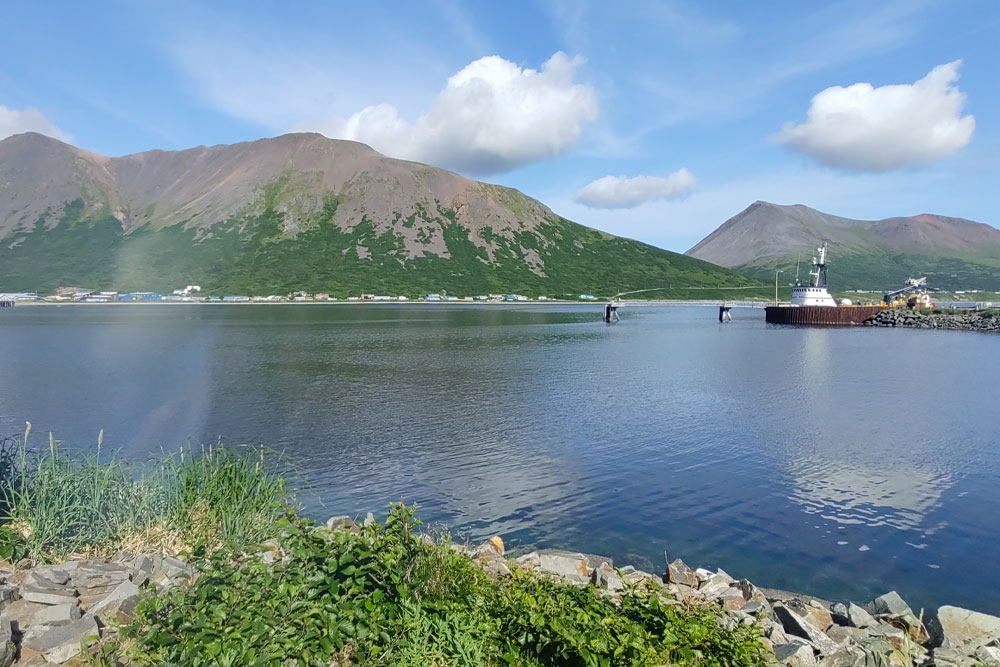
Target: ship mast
[(818, 274)]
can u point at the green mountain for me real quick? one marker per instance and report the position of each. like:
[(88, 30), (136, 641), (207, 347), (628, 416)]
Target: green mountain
[(303, 212), (952, 253)]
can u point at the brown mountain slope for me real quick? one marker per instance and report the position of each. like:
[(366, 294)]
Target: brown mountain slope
[(301, 211), (202, 186)]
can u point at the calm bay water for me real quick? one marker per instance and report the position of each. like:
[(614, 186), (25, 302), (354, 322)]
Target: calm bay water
[(841, 462)]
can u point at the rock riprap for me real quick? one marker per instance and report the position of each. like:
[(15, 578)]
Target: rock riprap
[(50, 613), (919, 319), (801, 630)]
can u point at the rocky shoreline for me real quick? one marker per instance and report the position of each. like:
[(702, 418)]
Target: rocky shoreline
[(51, 614), (917, 319)]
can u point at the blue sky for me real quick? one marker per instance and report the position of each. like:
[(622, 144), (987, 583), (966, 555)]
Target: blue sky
[(651, 120)]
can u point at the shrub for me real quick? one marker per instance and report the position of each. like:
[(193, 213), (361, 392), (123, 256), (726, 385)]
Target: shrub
[(383, 597)]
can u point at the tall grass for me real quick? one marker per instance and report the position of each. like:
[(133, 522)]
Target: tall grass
[(58, 501)]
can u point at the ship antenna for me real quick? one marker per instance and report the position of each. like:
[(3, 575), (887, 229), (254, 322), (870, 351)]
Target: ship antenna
[(798, 259)]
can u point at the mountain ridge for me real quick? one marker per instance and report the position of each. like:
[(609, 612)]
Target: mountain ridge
[(299, 211), (868, 254)]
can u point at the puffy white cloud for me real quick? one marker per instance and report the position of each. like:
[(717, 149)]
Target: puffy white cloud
[(878, 129), (29, 119), (491, 117), (624, 192)]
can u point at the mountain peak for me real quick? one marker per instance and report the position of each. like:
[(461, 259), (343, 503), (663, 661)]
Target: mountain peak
[(768, 235)]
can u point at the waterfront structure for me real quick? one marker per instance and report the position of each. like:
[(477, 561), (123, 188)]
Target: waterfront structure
[(813, 304)]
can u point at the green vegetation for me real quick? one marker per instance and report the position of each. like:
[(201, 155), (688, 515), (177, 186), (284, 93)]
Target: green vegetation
[(385, 597), (378, 595), (255, 255), (886, 271), (58, 502)]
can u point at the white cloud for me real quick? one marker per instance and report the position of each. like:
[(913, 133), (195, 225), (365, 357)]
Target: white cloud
[(492, 116), (624, 192), (879, 129), (29, 119)]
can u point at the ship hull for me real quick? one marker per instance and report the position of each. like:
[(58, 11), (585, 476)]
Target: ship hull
[(821, 315)]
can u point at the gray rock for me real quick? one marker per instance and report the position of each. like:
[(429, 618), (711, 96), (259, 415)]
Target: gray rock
[(60, 644), (8, 594), (890, 633), (962, 628), (891, 604), (47, 595), (142, 569), (949, 657), (57, 614), (341, 523), (21, 613), (848, 656), (605, 578), (529, 560), (679, 573), (774, 631), (858, 617), (8, 650), (758, 609), (574, 567), (794, 655), (988, 655), (107, 608), (801, 627), (844, 635)]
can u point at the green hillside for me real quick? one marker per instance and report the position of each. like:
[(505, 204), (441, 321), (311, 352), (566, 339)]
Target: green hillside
[(882, 270), (253, 255)]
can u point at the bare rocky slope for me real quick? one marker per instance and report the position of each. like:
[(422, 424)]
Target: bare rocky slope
[(864, 254), (298, 211)]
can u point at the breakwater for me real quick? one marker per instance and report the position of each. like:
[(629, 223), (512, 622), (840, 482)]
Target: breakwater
[(988, 320)]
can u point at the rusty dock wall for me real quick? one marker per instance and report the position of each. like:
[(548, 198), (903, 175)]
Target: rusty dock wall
[(821, 315)]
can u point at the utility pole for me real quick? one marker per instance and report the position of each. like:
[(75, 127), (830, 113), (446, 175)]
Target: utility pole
[(776, 286)]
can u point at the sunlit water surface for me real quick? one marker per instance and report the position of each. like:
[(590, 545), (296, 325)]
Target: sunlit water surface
[(841, 462)]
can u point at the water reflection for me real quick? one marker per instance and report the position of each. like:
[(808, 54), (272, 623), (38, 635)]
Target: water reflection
[(816, 459)]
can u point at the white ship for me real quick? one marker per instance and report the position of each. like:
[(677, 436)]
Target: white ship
[(815, 293)]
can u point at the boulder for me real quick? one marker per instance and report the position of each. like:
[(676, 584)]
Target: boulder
[(859, 617), (890, 633), (732, 599), (142, 569), (839, 613), (530, 561), (794, 655), (60, 644), (679, 573), (47, 594), (845, 635), (802, 627), (8, 650), (962, 628), (107, 608), (890, 604), (57, 614), (848, 656), (491, 549), (949, 657), (8, 594), (22, 613), (819, 616), (606, 578), (341, 523), (573, 567), (988, 655)]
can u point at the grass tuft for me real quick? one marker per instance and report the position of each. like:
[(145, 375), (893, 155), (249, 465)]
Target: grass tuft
[(59, 501)]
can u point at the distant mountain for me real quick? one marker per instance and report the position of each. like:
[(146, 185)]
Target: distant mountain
[(863, 254), (300, 211)]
